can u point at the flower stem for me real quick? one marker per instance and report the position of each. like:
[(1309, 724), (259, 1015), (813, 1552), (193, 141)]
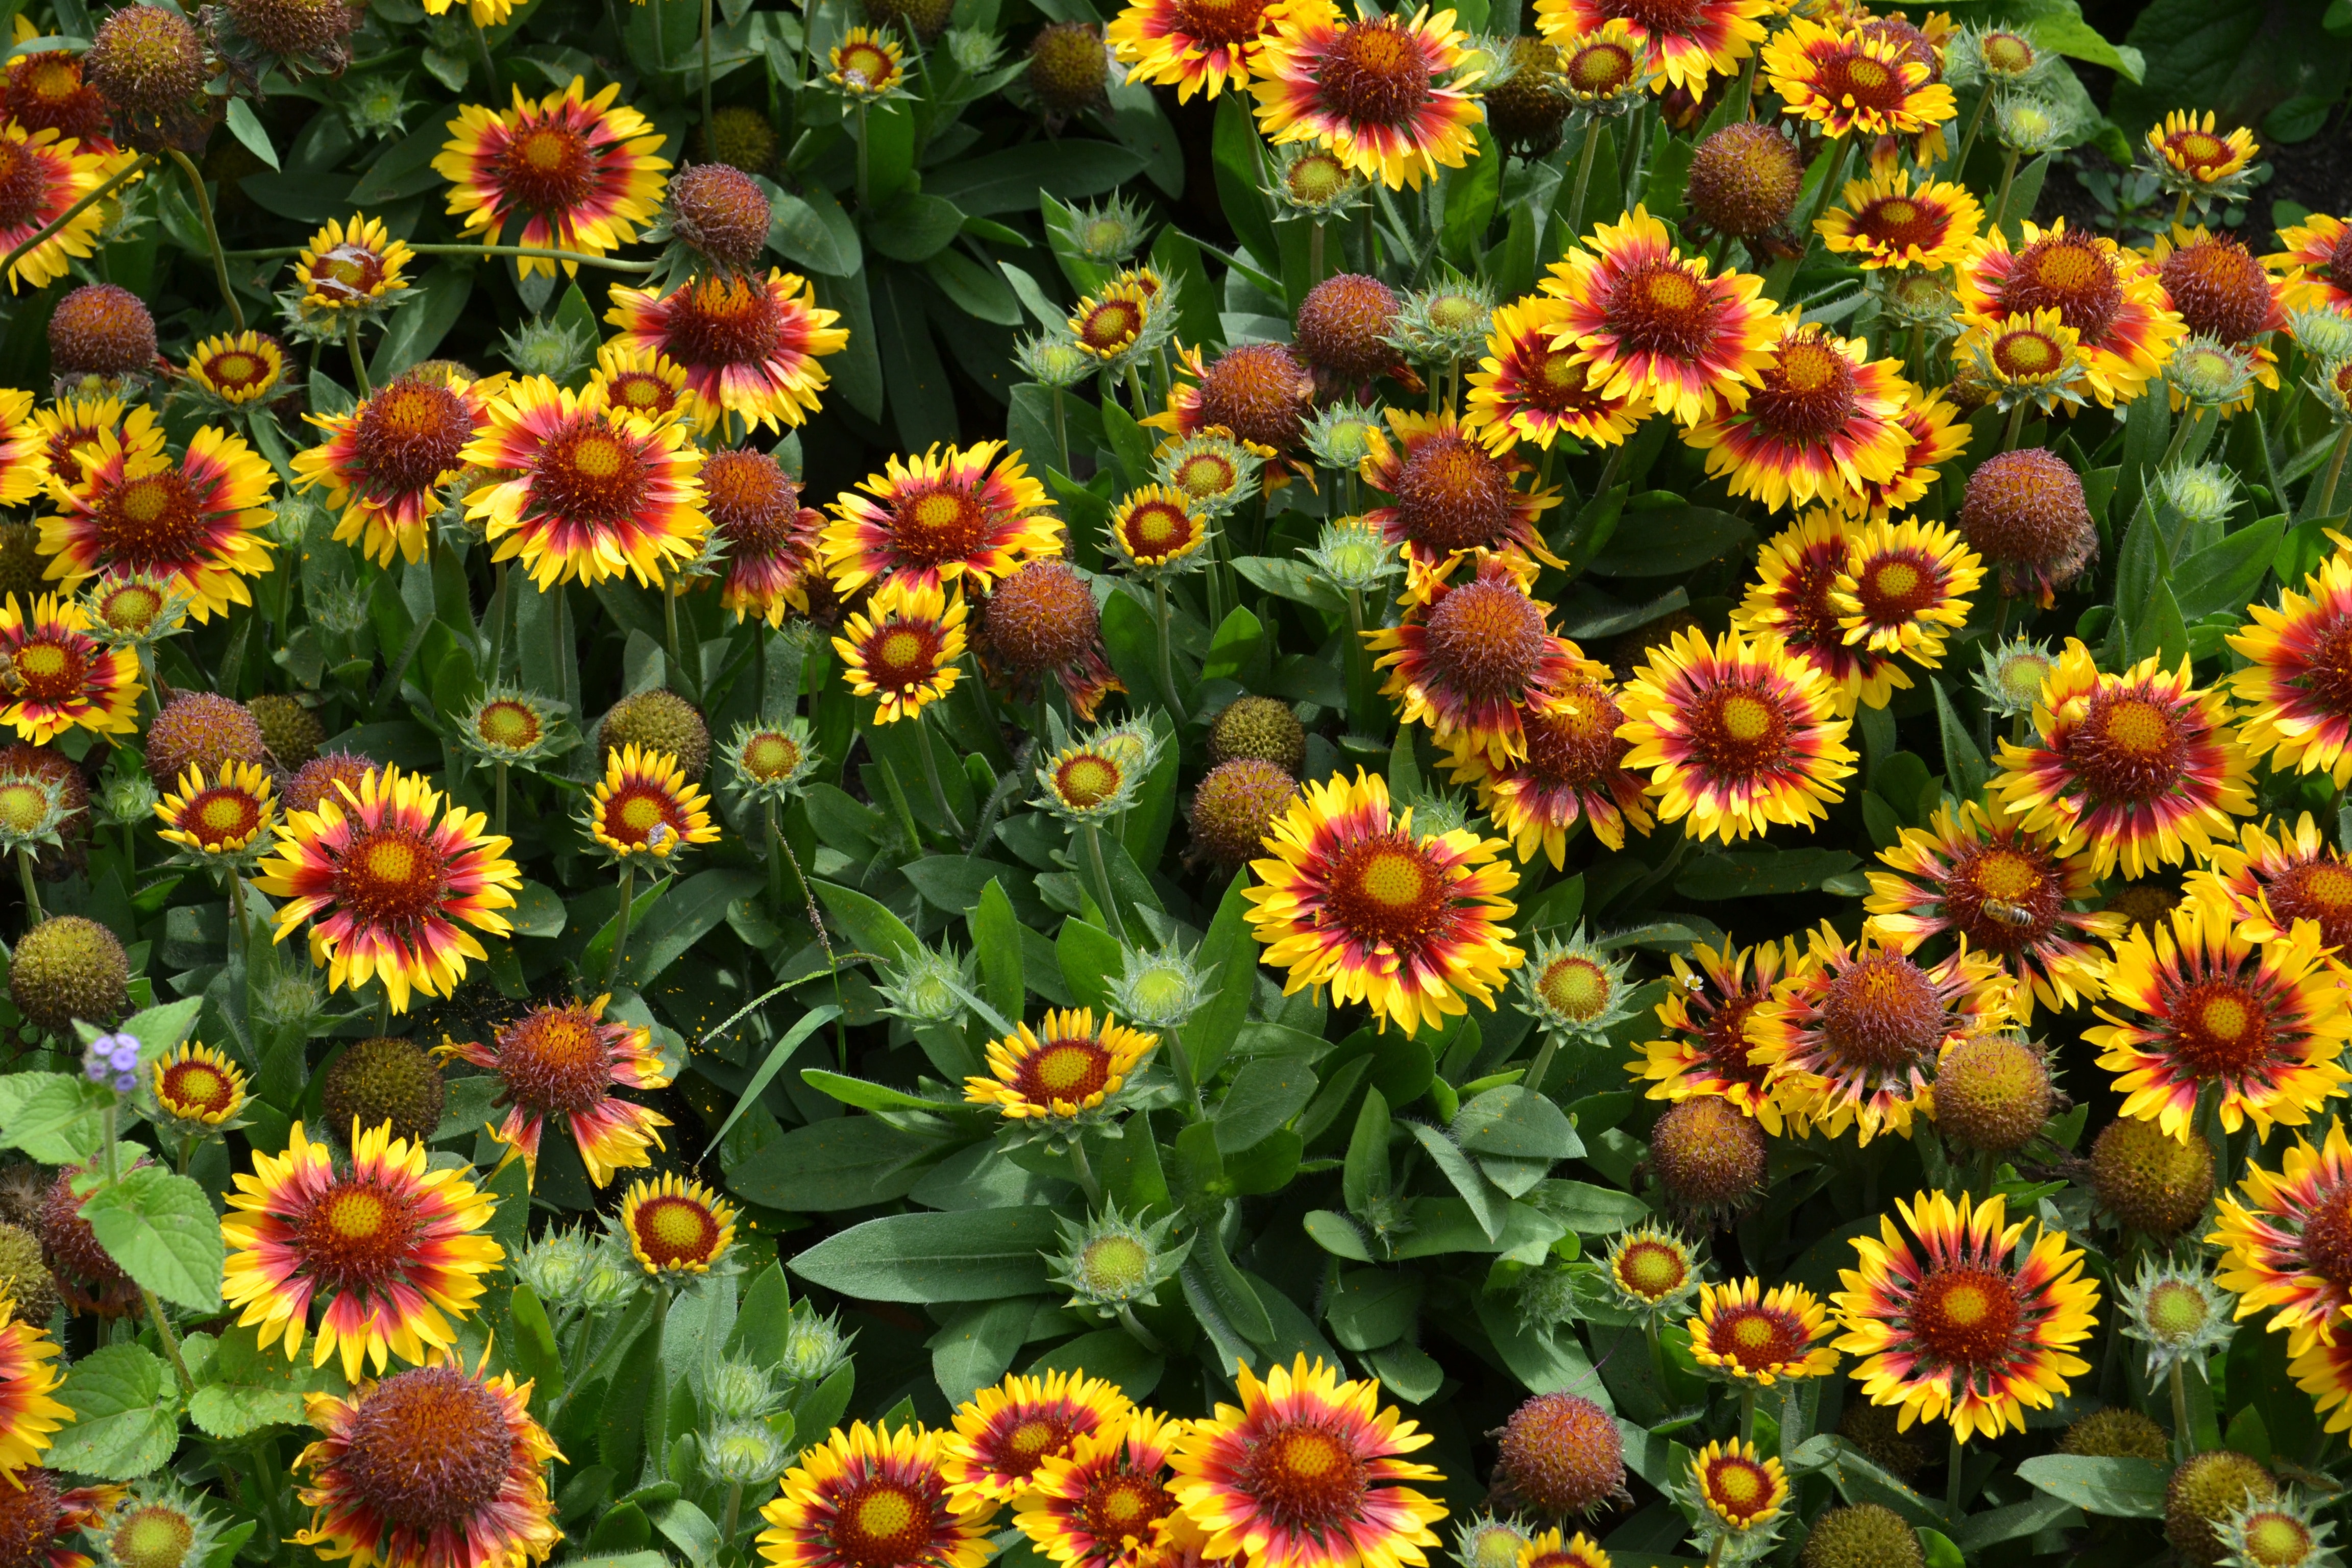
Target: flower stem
[(75, 211), (537, 252), (502, 800), (490, 66), (171, 1340), (2180, 439), (2334, 472), (1748, 1413), (1952, 1485), (2001, 206), (1167, 665), (32, 893), (1143, 1336), (2184, 1440), (621, 936), (931, 775), (1102, 882), (735, 1489), (1583, 176), (1314, 254), (2016, 423), (1362, 713), (212, 233), (775, 859), (1533, 1083), (359, 361), (1062, 430), (1085, 1169), (1969, 139)]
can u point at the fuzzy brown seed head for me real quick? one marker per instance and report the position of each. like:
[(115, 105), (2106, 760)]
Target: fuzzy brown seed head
[(1876, 1430), (1526, 111), (2117, 1435), (1068, 70), (383, 1081), (657, 720), (1041, 617), (927, 19), (1909, 42), (741, 138), (101, 329), (2150, 1181), (1262, 727), (1560, 1455), (2218, 288), (430, 1447), (2202, 1493), (31, 1513), (76, 1256), (1260, 392), (1744, 179), (66, 968), (2025, 513), (21, 561), (1993, 1093), (204, 729), (297, 29), (721, 212), (1236, 806), (1339, 325), (288, 728), (316, 780), (1867, 1535), (147, 60), (1708, 1156), (24, 1277)]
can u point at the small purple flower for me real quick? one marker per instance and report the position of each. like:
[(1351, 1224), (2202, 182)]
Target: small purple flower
[(95, 1068), (124, 1083), (124, 1056)]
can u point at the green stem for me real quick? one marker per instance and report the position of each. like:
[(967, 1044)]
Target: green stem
[(706, 66), (775, 859), (2334, 472), (1583, 177), (1314, 254), (502, 800), (1167, 665), (1744, 95), (2016, 423), (32, 893), (171, 1340), (678, 679), (1748, 1413), (359, 363), (1135, 390), (2180, 439), (490, 66), (212, 233), (735, 1489), (1362, 712), (2000, 206), (931, 773), (1541, 1069), (539, 252), (1952, 1485), (1085, 1169), (1102, 882), (1143, 1336), (1062, 430), (502, 606), (2181, 209), (1968, 141), (621, 937), (2184, 1439), (9, 263)]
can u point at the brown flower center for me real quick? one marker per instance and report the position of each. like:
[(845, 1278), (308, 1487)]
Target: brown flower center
[(2025, 353), (1486, 639), (1451, 495), (2002, 898), (1966, 1317), (50, 672), (589, 472), (1651, 1269), (2127, 748), (1120, 1506), (2318, 890), (2070, 275), (1386, 890), (2327, 1240), (24, 186), (1600, 69), (883, 1523), (1674, 18), (1305, 1476), (2220, 1029), (1220, 21), (429, 1448), (1861, 80), (1110, 325), (150, 520), (1882, 1012), (672, 1230), (1260, 392), (1087, 779), (409, 435), (197, 1087), (547, 167), (348, 273), (2218, 288), (1377, 73), (1902, 223), (1738, 731), (2200, 151), (723, 322), (1070, 1070), (391, 878), (1156, 529), (357, 1234), (902, 656), (222, 815), (1756, 1339), (556, 1061), (29, 1516), (1574, 742), (1663, 307), (1808, 393)]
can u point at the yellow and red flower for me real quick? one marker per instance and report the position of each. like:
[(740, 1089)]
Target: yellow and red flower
[(1973, 1326), (2110, 297), (638, 380), (1555, 1549), (645, 805), (1932, 434), (54, 675), (1648, 322), (1193, 46), (581, 173), (771, 538), (230, 815), (871, 1497), (1821, 421), (2297, 681), (901, 649), (1154, 528), (1755, 1336), (936, 519), (1904, 588), (2315, 256), (2186, 143), (2142, 768), (383, 1250), (1062, 1069), (867, 66), (387, 463), (1471, 659), (1450, 492), (1737, 735), (2324, 1372), (565, 1061), (1706, 1013), (2201, 1003), (238, 369), (2002, 892), (748, 346), (1684, 43), (58, 434), (42, 174), (2271, 884), (676, 1227), (29, 1413), (50, 1519), (1353, 898), (1004, 1435), (197, 519), (2284, 1235), (1852, 1036), (584, 491), (1104, 1501), (1851, 81), (1571, 770), (392, 890), (1792, 603), (197, 1086), (1301, 1474), (356, 268), (1884, 222), (44, 90), (1741, 1491), (1370, 90), (1530, 387), (429, 1468)]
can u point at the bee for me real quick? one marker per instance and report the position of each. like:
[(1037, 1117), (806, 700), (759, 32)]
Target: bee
[(2015, 915)]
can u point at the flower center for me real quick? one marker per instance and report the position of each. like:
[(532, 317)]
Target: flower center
[(1087, 779), (1072, 1071), (223, 815), (556, 1061), (409, 435), (1488, 639), (1756, 1339), (1575, 988), (867, 65), (1122, 1506), (1808, 393), (2007, 53), (1220, 21), (2276, 1540), (50, 672), (1652, 1270), (2220, 1029), (2023, 353), (1306, 1477), (1451, 495), (1883, 1013), (1375, 74), (547, 167), (153, 1537), (883, 1524), (1899, 223), (2201, 151), (1110, 325), (723, 322), (236, 370), (2318, 890), (511, 725), (2177, 1311), (768, 756), (150, 518), (1660, 308), (1862, 81), (1966, 1316), (2070, 275), (1260, 392), (1205, 475), (1574, 743), (1600, 69), (1386, 891), (1673, 17), (391, 878), (2327, 1240), (358, 1234), (191, 1086), (1740, 1488), (1740, 733), (2127, 748), (23, 806), (1156, 529), (430, 1449), (589, 473), (348, 273), (900, 657), (673, 1230)]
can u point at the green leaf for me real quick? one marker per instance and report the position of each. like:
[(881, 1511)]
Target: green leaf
[(1516, 1123), (1265, 1095), (692, 911), (1489, 1206), (248, 128), (1089, 960), (847, 1163), (1109, 1354), (1760, 873), (812, 231), (1364, 1178), (539, 911), (1592, 1211), (1240, 191), (126, 1415), (532, 1350), (977, 1255), (976, 1346), (866, 922), (57, 1121), (1373, 1307), (996, 933), (161, 1228), (1009, 180), (1470, 198), (914, 227), (1964, 765), (1130, 442), (1667, 541), (2120, 1489), (2224, 575), (243, 1388), (1229, 952), (1337, 1234), (1210, 1277)]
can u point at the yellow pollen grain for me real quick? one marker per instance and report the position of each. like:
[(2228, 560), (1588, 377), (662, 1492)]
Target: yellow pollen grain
[(356, 1216), (1752, 1333), (641, 815), (2002, 875), (391, 862), (1739, 1486), (885, 1514), (223, 815), (1896, 579), (2330, 885), (1897, 211), (935, 509), (899, 650), (236, 367), (677, 1226), (1966, 1305), (1866, 72)]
